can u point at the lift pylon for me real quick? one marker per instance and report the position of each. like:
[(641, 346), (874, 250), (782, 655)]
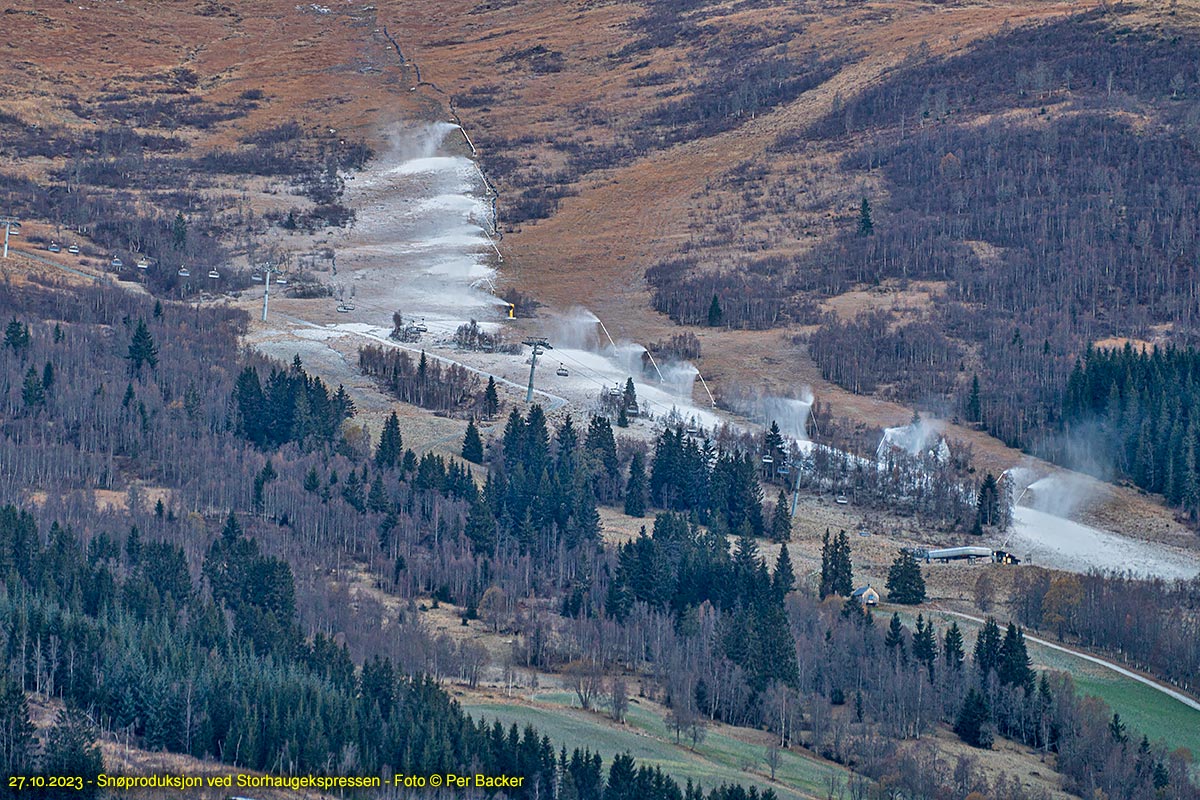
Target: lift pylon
[(539, 346)]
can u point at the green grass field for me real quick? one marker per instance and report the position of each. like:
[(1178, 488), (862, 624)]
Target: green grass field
[(1141, 708), (718, 759)]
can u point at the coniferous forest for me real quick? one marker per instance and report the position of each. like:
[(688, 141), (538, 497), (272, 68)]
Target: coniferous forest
[(1016, 189), (201, 611)]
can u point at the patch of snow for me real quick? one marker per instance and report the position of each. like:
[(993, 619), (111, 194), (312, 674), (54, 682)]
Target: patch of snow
[(1043, 539)]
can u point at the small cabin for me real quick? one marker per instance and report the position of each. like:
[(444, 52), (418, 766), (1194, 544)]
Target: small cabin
[(866, 595)]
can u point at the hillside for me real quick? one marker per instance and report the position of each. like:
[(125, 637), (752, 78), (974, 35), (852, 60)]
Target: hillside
[(650, 157), (286, 536)]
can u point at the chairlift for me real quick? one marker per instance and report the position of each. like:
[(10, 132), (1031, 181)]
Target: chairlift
[(345, 308), (768, 460), (615, 392), (143, 264), (693, 432), (54, 248), (117, 263), (784, 469), (212, 273), (282, 281), (73, 249), (184, 272), (561, 371), (256, 277), (841, 500), (421, 327)]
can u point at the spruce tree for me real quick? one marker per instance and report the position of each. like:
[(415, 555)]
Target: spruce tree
[(974, 407), (905, 584), (843, 570), (16, 335), (1116, 729), (925, 644), (179, 231), (16, 730), (142, 349), (952, 647), (481, 527), (826, 587), (472, 446), (491, 400), (894, 640), (1014, 667), (32, 392), (987, 504), (715, 315), (635, 487), (781, 521), (773, 442), (353, 492), (377, 498), (784, 579), (71, 750), (987, 649), (972, 723), (391, 443), (629, 399), (866, 225)]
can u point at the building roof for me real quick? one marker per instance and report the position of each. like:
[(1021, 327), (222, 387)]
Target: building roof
[(860, 591)]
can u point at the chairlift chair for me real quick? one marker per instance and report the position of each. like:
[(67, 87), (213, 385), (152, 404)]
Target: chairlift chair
[(421, 327), (143, 264), (768, 460), (184, 272), (212, 273), (256, 277), (561, 371), (841, 500), (73, 249), (54, 248), (117, 263), (282, 281)]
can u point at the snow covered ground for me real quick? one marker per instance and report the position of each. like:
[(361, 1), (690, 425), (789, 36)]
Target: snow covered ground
[(420, 243), (1046, 540)]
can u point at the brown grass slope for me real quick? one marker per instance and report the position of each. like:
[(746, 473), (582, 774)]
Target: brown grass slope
[(536, 82)]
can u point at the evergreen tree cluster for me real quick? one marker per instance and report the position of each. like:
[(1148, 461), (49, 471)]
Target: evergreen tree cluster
[(156, 662), (290, 406), (543, 491), (720, 487), (681, 567), (1137, 412), (905, 583), (837, 573)]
